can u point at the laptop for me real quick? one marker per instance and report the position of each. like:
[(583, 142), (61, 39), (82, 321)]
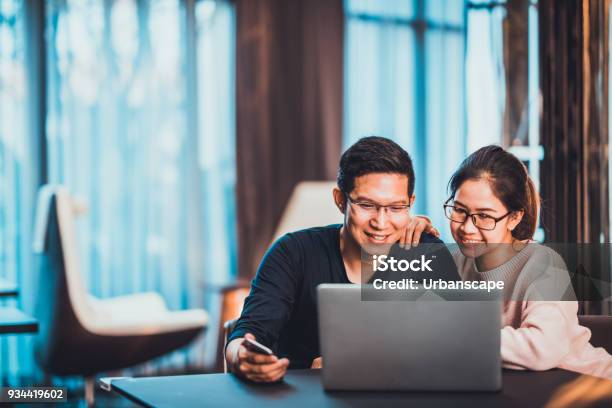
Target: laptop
[(445, 340)]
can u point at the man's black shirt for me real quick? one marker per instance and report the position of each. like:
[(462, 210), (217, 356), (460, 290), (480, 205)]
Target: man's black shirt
[(281, 309)]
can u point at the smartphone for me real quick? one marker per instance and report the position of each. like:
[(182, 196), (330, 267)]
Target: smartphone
[(257, 347)]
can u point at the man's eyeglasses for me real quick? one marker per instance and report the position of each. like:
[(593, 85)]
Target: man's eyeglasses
[(371, 208), (480, 220)]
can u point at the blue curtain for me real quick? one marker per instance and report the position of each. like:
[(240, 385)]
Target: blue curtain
[(405, 79), (486, 85), (140, 126), (18, 180), (485, 91)]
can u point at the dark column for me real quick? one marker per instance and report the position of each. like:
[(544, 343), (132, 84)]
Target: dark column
[(516, 61), (574, 132), (574, 127), (289, 73)]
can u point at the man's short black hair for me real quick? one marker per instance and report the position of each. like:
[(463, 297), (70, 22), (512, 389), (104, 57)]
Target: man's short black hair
[(374, 154)]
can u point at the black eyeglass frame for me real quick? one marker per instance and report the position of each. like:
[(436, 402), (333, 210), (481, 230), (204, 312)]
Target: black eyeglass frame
[(473, 217), (405, 207)]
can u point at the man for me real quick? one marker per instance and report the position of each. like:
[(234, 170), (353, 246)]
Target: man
[(375, 192)]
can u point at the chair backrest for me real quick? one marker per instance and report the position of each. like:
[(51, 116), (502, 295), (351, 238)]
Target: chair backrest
[(311, 205), (228, 327), (232, 300), (601, 330), (61, 305)]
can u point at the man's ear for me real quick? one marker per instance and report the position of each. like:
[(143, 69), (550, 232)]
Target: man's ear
[(515, 219), (339, 199), (411, 200)]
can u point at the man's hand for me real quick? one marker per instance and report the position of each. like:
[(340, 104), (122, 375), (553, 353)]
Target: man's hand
[(317, 363), (254, 366), (415, 229)]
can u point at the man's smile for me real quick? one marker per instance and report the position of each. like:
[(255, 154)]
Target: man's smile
[(377, 237)]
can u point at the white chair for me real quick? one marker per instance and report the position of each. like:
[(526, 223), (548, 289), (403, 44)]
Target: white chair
[(311, 205), (83, 335)]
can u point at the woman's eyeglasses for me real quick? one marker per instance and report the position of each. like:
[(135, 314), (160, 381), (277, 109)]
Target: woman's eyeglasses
[(480, 220)]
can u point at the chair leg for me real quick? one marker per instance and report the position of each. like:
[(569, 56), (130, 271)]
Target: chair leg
[(47, 380), (89, 391)]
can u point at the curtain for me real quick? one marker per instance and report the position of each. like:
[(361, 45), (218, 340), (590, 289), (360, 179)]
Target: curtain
[(485, 82), (574, 119), (140, 127), (574, 70), (405, 80), (516, 61), (502, 94), (289, 109), (17, 177)]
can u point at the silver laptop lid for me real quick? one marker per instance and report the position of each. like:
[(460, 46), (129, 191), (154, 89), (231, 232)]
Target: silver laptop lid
[(416, 341)]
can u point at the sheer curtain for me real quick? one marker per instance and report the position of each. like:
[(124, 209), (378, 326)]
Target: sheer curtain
[(485, 76), (404, 79), (140, 125), (18, 178), (486, 85)]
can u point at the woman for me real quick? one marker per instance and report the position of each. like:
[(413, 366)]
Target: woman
[(493, 211)]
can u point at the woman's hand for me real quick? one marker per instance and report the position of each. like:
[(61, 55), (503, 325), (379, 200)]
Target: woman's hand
[(317, 363), (415, 228)]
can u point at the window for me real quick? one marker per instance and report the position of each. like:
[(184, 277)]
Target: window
[(404, 79), (431, 76), (13, 134), (123, 132), (487, 85), (17, 178), (140, 125)]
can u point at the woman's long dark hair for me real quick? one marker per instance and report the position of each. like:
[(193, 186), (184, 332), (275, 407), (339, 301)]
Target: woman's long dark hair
[(509, 181)]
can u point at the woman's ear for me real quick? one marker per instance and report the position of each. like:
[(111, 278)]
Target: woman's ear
[(515, 219), (339, 199)]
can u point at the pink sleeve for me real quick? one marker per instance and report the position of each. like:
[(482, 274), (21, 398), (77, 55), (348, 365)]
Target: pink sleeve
[(543, 339)]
